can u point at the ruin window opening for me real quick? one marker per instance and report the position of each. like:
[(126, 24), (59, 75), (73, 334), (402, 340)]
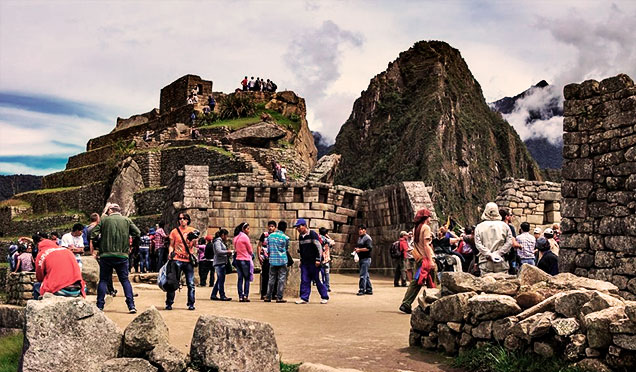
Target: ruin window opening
[(337, 227), (548, 212), (298, 195), (199, 88), (347, 201), (323, 195), (225, 195), (273, 195), (249, 197)]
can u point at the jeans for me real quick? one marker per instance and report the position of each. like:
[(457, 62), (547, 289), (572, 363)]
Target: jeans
[(324, 274), (243, 284), (144, 262), (205, 268), (365, 282), (276, 273), (106, 266), (529, 261), (184, 267), (413, 289), (219, 285), (264, 277), (308, 273), (400, 271), (161, 258)]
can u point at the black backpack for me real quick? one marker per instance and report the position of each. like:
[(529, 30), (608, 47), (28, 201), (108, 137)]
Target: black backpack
[(172, 277), (395, 250)]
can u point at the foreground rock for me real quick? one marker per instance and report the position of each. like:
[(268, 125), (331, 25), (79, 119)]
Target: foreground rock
[(128, 365), (311, 367), (227, 345), (168, 358), (144, 332), (90, 274), (67, 334)]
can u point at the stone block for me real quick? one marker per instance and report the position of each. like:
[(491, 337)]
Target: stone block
[(346, 211), (307, 213), (341, 218), (298, 206), (621, 243), (316, 223), (573, 208), (322, 207), (577, 169)]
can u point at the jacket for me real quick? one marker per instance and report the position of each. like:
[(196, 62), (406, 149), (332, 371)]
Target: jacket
[(56, 268), (116, 231)]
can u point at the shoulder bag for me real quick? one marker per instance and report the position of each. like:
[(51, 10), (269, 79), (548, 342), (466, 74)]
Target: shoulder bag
[(194, 260)]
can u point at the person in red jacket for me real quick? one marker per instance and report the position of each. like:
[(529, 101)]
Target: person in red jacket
[(57, 272)]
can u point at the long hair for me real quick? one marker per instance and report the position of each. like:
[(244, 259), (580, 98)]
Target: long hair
[(221, 232), (242, 226)]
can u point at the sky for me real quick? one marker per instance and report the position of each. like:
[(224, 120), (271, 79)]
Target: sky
[(68, 69)]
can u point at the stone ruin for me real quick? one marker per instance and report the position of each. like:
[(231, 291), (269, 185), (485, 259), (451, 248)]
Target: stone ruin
[(535, 202)]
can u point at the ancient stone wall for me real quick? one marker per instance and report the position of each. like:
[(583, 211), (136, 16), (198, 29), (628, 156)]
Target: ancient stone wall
[(88, 198), (174, 159), (150, 201), (76, 176), (535, 202), (176, 94), (89, 157), (20, 288), (188, 192), (599, 182)]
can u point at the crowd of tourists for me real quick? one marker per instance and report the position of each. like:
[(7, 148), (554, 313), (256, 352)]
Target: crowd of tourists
[(279, 172), (258, 85)]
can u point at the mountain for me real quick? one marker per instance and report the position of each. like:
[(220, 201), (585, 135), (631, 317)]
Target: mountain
[(321, 144), (17, 183), (548, 154), (425, 118)]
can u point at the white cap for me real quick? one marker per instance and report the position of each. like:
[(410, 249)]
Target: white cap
[(548, 231), (537, 230)]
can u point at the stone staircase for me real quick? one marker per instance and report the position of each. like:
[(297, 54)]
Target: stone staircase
[(259, 172)]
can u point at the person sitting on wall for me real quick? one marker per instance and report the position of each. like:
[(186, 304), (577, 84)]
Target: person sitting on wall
[(57, 271)]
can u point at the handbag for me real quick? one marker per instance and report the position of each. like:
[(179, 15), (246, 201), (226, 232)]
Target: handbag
[(194, 260)]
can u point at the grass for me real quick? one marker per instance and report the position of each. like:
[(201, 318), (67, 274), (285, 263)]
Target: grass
[(285, 367), (14, 203), (24, 217), (234, 124), (292, 124), (10, 352), (217, 149), (47, 191), (496, 358)]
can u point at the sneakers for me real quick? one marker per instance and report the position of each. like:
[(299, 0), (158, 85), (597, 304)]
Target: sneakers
[(324, 301), (405, 309), (360, 293), (191, 307), (300, 302), (214, 298), (368, 293), (267, 300), (168, 307), (226, 298), (281, 301), (132, 311)]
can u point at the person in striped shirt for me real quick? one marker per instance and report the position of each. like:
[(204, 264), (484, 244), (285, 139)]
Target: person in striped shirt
[(277, 247)]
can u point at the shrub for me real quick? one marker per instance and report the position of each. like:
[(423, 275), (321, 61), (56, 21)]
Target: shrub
[(236, 105)]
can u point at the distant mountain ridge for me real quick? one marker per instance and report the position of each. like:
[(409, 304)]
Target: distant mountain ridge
[(17, 183)]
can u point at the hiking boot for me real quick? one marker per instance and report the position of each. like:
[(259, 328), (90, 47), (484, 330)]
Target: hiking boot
[(267, 300), (324, 301), (281, 301), (168, 307), (301, 302), (132, 311), (226, 298), (191, 307), (368, 293), (214, 298), (405, 309)]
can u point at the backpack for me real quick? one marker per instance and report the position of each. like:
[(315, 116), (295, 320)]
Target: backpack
[(168, 279), (395, 250), (274, 87)]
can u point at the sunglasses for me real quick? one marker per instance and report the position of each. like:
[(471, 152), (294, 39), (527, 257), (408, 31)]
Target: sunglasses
[(183, 218)]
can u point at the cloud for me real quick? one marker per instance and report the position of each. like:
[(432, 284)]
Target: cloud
[(19, 168)]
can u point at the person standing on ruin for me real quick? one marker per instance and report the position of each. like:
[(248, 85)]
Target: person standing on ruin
[(422, 254), (277, 248), (363, 249), (310, 249), (244, 84), (115, 231), (211, 102), (283, 174), (182, 245), (243, 261), (250, 84), (527, 244), (493, 239), (263, 257)]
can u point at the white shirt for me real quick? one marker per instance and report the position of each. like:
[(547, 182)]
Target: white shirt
[(68, 239), (283, 173)]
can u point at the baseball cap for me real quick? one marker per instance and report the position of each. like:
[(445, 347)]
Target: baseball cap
[(300, 221), (537, 230), (548, 231)]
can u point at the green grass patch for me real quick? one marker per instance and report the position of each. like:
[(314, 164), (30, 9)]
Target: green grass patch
[(217, 149), (496, 358), (289, 367), (291, 123), (47, 191), (153, 188), (234, 124), (10, 352), (14, 203), (25, 217)]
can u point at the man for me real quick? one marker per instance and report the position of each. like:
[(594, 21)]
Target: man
[(250, 84), (74, 242), (159, 242), (283, 174), (310, 249), (144, 252), (93, 244), (527, 244), (554, 246), (399, 263), (277, 247), (55, 236), (512, 256), (182, 244), (493, 239), (115, 231), (537, 232), (363, 249), (263, 257), (410, 261), (422, 254), (86, 233), (557, 232), (57, 271), (548, 261), (244, 84)]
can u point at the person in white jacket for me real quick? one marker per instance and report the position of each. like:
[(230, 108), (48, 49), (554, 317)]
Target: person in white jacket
[(493, 239)]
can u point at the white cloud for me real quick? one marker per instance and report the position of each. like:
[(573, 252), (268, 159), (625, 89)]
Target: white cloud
[(19, 168)]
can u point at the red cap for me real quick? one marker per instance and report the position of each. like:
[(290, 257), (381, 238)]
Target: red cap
[(208, 238), (421, 214)]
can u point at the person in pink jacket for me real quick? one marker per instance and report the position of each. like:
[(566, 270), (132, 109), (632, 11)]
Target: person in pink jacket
[(243, 261)]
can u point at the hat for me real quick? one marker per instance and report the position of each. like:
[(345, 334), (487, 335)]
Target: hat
[(542, 244), (491, 213), (549, 232), (537, 230), (300, 221), (421, 214), (208, 238)]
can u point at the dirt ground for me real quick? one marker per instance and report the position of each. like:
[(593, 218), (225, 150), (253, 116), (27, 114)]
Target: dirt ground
[(363, 332)]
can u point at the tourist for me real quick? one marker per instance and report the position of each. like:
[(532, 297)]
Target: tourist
[(557, 232), (57, 271), (114, 246), (153, 252), (274, 87), (277, 249), (410, 261), (221, 254), (88, 242), (423, 256), (399, 263), (527, 244), (244, 84), (144, 252), (211, 102), (193, 119), (12, 256), (94, 248), (327, 243), (74, 242), (263, 257), (548, 261), (55, 236), (466, 247), (310, 250), (493, 239), (243, 261), (182, 241), (511, 257), (159, 242), (283, 174), (549, 235), (257, 84), (206, 256), (133, 253), (363, 249), (24, 261), (537, 232)]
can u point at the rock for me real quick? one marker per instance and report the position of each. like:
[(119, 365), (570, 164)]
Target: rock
[(571, 281), (600, 301), (60, 326), (530, 275), (623, 326), (526, 300), (11, 316), (543, 348), (429, 342), (168, 358), (454, 326), (421, 322), (126, 184), (447, 341), (503, 287), (465, 340), (258, 135), (414, 338), (483, 330), (501, 328), (513, 342), (535, 326), (431, 295), (228, 344), (592, 353), (146, 331), (451, 308), (598, 334), (491, 306), (569, 303), (620, 359), (128, 365), (311, 367), (565, 326), (292, 283), (90, 274), (625, 341), (576, 348), (458, 282), (593, 365), (630, 310)]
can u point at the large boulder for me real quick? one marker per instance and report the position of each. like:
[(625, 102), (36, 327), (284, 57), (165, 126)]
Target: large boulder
[(458, 282), (530, 275), (145, 332), (168, 358), (492, 306), (67, 334), (228, 345), (258, 135), (571, 281), (90, 274), (569, 303), (600, 301), (508, 287), (128, 365), (565, 326), (451, 308), (535, 326), (129, 180), (421, 322), (598, 323), (292, 283)]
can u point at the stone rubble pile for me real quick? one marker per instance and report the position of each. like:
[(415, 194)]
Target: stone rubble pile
[(577, 319)]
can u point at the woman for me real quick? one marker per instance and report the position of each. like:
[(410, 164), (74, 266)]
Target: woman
[(181, 246), (205, 263), (221, 254), (243, 261), (25, 260)]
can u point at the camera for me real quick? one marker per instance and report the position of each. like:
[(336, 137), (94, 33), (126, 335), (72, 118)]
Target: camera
[(194, 235)]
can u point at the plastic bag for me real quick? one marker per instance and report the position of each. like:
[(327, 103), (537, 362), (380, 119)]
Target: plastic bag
[(356, 258), (162, 277)]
